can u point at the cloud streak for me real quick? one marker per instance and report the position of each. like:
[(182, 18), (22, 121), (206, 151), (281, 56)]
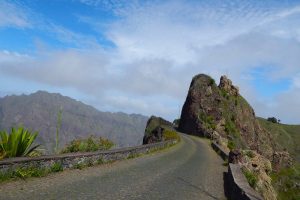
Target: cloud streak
[(13, 16), (160, 46)]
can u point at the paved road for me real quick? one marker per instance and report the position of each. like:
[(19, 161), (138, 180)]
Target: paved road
[(189, 170)]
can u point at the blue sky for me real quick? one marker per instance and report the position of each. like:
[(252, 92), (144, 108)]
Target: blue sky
[(140, 56)]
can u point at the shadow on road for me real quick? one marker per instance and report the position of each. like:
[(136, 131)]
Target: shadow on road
[(226, 185)]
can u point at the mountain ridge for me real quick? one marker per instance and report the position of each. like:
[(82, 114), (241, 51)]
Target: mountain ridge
[(38, 111)]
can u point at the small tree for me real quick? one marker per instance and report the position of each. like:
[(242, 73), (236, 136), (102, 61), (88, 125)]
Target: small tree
[(58, 126), (273, 120)]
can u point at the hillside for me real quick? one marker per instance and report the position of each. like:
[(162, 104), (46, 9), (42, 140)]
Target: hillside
[(287, 136), (39, 112)]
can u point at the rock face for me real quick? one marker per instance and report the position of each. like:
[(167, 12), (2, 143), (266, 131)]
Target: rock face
[(154, 129), (221, 113), (155, 136), (226, 85), (259, 167)]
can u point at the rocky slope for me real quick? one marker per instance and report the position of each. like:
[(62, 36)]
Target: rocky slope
[(287, 136), (158, 129), (222, 114), (39, 112)]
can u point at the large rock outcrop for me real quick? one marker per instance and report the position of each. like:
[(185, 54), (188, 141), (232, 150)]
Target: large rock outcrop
[(155, 129), (221, 113)]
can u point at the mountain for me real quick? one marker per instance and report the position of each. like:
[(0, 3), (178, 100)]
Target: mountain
[(39, 112)]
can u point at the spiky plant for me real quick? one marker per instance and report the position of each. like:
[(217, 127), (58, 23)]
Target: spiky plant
[(17, 143)]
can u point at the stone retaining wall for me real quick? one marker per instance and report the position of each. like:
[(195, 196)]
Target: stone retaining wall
[(239, 186), (73, 160), (224, 154)]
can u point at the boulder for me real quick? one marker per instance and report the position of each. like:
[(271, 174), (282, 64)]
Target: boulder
[(156, 135), (155, 128)]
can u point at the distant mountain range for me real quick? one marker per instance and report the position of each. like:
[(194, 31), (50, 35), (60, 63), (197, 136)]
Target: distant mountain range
[(39, 112)]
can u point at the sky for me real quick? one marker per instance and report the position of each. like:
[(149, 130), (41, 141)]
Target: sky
[(140, 56)]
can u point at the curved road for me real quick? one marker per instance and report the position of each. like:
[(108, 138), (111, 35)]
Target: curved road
[(189, 170)]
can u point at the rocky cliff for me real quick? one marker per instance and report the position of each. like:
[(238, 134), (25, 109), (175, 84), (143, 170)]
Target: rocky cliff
[(157, 130), (219, 112)]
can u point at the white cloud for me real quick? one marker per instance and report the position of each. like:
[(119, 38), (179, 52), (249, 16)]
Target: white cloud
[(13, 16), (161, 46)]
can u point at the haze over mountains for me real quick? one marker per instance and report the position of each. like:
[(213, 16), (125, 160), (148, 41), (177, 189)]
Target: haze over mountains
[(39, 112)]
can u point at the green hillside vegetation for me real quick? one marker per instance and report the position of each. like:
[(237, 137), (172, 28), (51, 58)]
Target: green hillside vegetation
[(88, 145), (286, 182), (287, 136)]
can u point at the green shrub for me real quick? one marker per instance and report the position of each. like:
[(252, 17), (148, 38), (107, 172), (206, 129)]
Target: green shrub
[(170, 135), (250, 154), (79, 165), (286, 181), (231, 129), (100, 161), (32, 171), (132, 155), (56, 167), (273, 120), (17, 143), (89, 162), (251, 177), (88, 145), (212, 82), (231, 145), (224, 93), (6, 175), (207, 120)]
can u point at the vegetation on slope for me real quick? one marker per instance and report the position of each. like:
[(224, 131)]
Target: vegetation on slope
[(287, 136), (169, 134), (159, 129), (155, 122), (88, 145), (287, 183), (287, 180)]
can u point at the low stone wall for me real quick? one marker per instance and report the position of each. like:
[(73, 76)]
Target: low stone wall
[(224, 154), (239, 188), (73, 160)]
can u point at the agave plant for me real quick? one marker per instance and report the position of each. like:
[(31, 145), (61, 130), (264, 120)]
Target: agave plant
[(17, 143)]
